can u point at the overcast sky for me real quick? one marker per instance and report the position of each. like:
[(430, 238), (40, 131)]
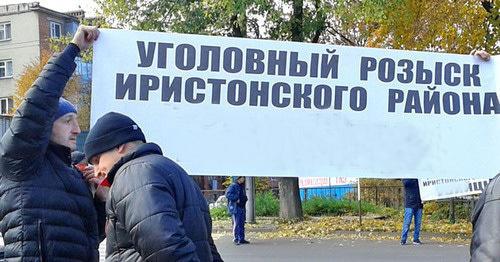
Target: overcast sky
[(61, 5)]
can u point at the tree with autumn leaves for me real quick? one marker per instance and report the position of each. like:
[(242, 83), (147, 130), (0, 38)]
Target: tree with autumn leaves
[(425, 25), (76, 91), (441, 26)]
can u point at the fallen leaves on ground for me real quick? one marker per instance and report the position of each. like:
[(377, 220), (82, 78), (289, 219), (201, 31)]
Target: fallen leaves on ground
[(349, 228)]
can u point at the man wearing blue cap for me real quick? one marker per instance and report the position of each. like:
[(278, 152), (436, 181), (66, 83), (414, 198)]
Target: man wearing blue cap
[(155, 211), (47, 212)]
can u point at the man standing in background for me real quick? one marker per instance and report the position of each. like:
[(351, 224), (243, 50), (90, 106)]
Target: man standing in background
[(413, 209), (237, 199)]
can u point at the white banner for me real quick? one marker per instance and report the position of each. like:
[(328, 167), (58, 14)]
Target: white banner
[(432, 189), (314, 182), (233, 106)]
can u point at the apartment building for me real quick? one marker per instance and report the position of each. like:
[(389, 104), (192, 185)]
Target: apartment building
[(25, 30)]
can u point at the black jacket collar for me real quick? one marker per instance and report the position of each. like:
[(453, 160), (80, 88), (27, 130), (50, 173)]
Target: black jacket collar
[(62, 152), (142, 150)]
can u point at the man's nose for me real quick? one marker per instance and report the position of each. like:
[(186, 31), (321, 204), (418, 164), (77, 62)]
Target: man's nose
[(76, 128), (100, 174)]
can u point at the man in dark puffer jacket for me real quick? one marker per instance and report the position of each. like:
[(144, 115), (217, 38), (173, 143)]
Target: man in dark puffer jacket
[(155, 211), (46, 209), (485, 243)]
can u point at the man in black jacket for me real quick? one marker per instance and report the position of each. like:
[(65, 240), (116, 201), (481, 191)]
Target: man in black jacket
[(155, 211), (47, 212)]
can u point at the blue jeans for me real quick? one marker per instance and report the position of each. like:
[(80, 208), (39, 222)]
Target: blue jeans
[(239, 224), (409, 213)]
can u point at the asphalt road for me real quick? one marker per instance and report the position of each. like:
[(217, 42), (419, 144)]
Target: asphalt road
[(335, 250), (339, 250)]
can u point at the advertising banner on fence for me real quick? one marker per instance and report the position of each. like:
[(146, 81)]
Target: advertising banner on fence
[(316, 182), (233, 106), (432, 189)]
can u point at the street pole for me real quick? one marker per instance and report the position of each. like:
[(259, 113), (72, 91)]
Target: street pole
[(250, 206), (452, 210), (359, 203)]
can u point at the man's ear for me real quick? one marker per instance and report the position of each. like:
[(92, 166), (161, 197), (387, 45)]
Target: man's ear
[(122, 149)]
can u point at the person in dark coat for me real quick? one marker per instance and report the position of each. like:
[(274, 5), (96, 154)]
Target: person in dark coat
[(413, 209), (237, 199), (155, 211), (47, 212), (485, 241)]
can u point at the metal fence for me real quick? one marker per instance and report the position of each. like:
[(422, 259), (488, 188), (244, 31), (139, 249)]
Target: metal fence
[(212, 195), (389, 196), (334, 192)]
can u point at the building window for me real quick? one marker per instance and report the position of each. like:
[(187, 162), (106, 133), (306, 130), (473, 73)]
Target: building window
[(55, 30), (5, 31), (5, 68), (5, 105)]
